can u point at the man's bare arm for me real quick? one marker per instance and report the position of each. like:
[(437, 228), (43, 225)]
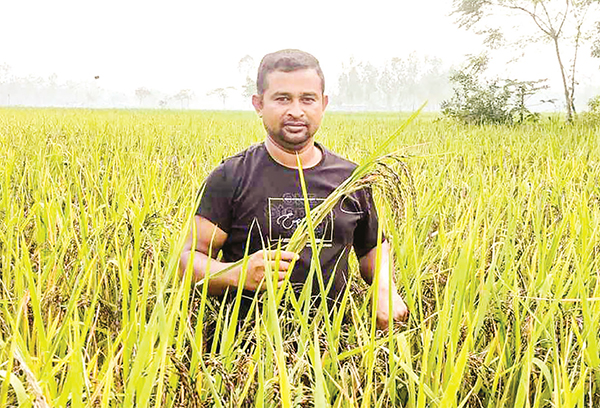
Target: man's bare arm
[(209, 241), (367, 265)]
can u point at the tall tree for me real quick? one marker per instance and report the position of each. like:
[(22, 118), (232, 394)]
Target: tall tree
[(142, 93), (184, 97), (247, 68), (561, 22), (221, 93), (350, 85), (596, 44)]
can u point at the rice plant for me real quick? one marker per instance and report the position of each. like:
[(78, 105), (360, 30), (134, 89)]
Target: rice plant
[(495, 251)]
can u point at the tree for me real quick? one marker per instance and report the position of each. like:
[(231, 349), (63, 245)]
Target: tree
[(222, 93), (184, 97), (521, 91), (398, 84), (247, 68), (434, 85), (556, 21), (474, 101), (594, 104), (142, 93), (249, 87), (4, 72), (596, 43), (350, 86), (592, 116), (488, 102)]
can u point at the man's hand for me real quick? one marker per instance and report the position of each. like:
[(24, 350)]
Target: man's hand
[(257, 266), (399, 310), (367, 270)]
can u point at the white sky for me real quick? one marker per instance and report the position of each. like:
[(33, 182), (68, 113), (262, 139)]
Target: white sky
[(197, 44)]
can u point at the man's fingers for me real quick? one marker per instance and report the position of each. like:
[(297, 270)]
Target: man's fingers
[(402, 314), (289, 256), (283, 265), (382, 324), (280, 279), (283, 255)]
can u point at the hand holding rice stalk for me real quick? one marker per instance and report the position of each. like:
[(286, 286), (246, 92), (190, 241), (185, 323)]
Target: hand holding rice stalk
[(373, 172)]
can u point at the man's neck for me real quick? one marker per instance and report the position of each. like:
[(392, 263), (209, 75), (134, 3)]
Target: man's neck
[(310, 155)]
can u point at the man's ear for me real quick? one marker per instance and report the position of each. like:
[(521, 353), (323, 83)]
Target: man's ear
[(325, 101), (257, 102)]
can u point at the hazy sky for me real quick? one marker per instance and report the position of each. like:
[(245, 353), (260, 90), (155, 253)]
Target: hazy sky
[(197, 44)]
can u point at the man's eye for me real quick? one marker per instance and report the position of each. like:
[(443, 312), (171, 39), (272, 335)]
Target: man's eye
[(308, 100), (282, 99)]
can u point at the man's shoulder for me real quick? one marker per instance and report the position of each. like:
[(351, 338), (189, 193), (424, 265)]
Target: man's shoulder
[(251, 153), (337, 159)]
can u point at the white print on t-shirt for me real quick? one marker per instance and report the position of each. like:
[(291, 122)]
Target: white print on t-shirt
[(343, 203), (286, 213)]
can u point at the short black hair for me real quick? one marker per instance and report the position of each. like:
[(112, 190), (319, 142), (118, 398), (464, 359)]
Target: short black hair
[(287, 61)]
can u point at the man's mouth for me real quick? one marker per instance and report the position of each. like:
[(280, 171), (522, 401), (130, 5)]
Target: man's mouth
[(295, 127)]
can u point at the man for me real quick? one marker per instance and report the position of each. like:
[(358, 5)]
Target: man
[(256, 195)]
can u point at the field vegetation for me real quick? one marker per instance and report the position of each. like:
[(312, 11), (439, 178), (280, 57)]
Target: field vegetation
[(497, 256)]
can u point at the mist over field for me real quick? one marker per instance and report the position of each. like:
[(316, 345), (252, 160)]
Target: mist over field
[(401, 84), (390, 56), (398, 84)]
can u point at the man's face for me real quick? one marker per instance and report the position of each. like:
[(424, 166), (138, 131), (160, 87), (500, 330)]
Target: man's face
[(291, 107)]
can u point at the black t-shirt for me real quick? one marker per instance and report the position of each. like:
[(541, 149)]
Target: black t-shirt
[(250, 193)]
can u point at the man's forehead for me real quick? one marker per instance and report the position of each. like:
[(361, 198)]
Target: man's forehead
[(305, 80), (287, 92)]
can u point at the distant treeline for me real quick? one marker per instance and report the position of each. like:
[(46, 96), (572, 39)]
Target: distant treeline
[(401, 84), (37, 91)]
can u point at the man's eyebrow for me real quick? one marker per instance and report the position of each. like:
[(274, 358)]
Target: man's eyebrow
[(283, 93)]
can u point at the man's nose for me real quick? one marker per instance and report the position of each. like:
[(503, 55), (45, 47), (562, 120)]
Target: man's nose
[(295, 109)]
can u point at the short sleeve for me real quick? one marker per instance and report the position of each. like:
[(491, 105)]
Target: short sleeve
[(216, 199), (365, 234)]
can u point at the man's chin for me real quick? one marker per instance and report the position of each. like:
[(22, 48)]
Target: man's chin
[(292, 141)]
